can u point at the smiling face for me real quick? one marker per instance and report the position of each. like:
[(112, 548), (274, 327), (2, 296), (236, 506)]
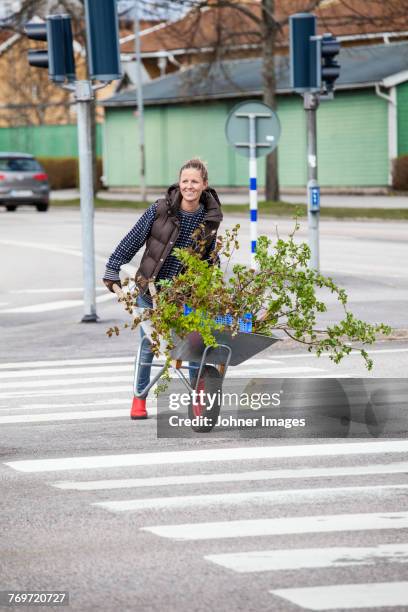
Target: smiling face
[(191, 186)]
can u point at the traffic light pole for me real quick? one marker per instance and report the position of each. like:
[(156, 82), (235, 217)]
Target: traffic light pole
[(311, 103), (140, 108), (84, 94), (104, 65)]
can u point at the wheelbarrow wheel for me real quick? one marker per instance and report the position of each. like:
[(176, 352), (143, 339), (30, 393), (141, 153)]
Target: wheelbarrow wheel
[(210, 383)]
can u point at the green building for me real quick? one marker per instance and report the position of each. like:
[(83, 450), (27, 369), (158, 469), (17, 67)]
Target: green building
[(360, 132)]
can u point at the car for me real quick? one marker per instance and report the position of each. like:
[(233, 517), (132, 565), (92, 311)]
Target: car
[(23, 181)]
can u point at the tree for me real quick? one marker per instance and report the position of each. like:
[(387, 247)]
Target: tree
[(227, 29), (37, 96)]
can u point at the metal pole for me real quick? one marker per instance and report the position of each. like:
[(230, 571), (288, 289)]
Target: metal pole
[(84, 94), (253, 193), (311, 103), (140, 108)]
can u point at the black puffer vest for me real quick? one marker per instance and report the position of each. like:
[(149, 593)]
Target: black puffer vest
[(166, 228)]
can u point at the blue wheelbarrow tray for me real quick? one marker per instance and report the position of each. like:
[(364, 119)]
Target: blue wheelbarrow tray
[(243, 346)]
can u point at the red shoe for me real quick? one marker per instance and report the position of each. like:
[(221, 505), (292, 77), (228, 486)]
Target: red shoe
[(138, 410)]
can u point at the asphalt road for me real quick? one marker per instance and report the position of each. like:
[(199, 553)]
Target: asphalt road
[(95, 504)]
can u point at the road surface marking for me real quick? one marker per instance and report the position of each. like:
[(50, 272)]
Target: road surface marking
[(61, 382), (246, 453), (99, 361), (307, 558), (368, 595), (102, 389), (50, 306), (354, 354), (104, 402), (102, 369), (50, 247), (63, 416), (282, 526), (53, 290), (283, 496), (240, 371), (14, 365), (259, 475)]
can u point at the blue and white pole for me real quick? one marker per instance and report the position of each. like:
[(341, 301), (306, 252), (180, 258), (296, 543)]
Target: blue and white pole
[(253, 190)]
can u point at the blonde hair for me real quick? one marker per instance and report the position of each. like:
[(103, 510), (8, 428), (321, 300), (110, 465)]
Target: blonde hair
[(197, 164)]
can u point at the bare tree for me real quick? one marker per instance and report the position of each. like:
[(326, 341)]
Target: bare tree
[(42, 102), (236, 29), (240, 28)]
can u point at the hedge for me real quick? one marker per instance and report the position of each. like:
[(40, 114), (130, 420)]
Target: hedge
[(63, 172), (400, 173)]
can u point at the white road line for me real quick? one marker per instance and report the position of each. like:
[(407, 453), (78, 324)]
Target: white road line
[(256, 361), (101, 390), (369, 595), (14, 365), (282, 526), (63, 416), (241, 370), (50, 306), (354, 354), (63, 382), (102, 369), (283, 496), (244, 453), (259, 475), (53, 290), (53, 405), (307, 558), (49, 247)]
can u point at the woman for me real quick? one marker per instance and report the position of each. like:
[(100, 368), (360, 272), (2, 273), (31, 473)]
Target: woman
[(167, 224)]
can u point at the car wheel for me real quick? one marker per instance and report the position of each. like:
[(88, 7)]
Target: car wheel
[(11, 207), (42, 207)]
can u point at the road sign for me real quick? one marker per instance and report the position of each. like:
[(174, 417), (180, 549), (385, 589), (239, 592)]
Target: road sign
[(267, 132), (314, 196), (253, 129)]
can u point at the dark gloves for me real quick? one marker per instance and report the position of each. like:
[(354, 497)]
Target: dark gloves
[(109, 284)]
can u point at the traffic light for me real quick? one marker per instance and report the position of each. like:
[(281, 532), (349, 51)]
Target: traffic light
[(312, 58), (330, 70), (102, 32), (304, 75), (59, 57)]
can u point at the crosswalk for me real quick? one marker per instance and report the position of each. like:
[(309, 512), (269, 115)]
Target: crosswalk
[(285, 504), (95, 388)]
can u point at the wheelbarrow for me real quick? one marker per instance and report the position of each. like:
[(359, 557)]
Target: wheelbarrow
[(207, 376)]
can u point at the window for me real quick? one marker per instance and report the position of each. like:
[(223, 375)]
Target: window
[(19, 164)]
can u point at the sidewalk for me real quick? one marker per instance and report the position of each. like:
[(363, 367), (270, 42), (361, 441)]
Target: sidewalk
[(241, 197)]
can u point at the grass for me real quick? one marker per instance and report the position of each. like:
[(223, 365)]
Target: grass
[(276, 209)]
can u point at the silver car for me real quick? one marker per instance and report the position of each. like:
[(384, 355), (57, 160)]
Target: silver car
[(23, 181)]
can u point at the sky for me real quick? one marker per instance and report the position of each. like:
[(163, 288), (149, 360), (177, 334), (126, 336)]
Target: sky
[(166, 9)]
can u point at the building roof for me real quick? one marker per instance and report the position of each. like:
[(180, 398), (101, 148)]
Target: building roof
[(207, 27), (360, 67)]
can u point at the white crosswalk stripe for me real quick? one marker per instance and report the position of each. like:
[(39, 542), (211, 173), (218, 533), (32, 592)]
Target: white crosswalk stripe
[(348, 596), (285, 496), (302, 558), (109, 382), (243, 453), (259, 475), (26, 387), (282, 526), (333, 593)]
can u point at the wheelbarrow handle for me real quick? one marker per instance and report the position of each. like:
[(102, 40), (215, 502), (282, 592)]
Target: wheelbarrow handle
[(118, 291)]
